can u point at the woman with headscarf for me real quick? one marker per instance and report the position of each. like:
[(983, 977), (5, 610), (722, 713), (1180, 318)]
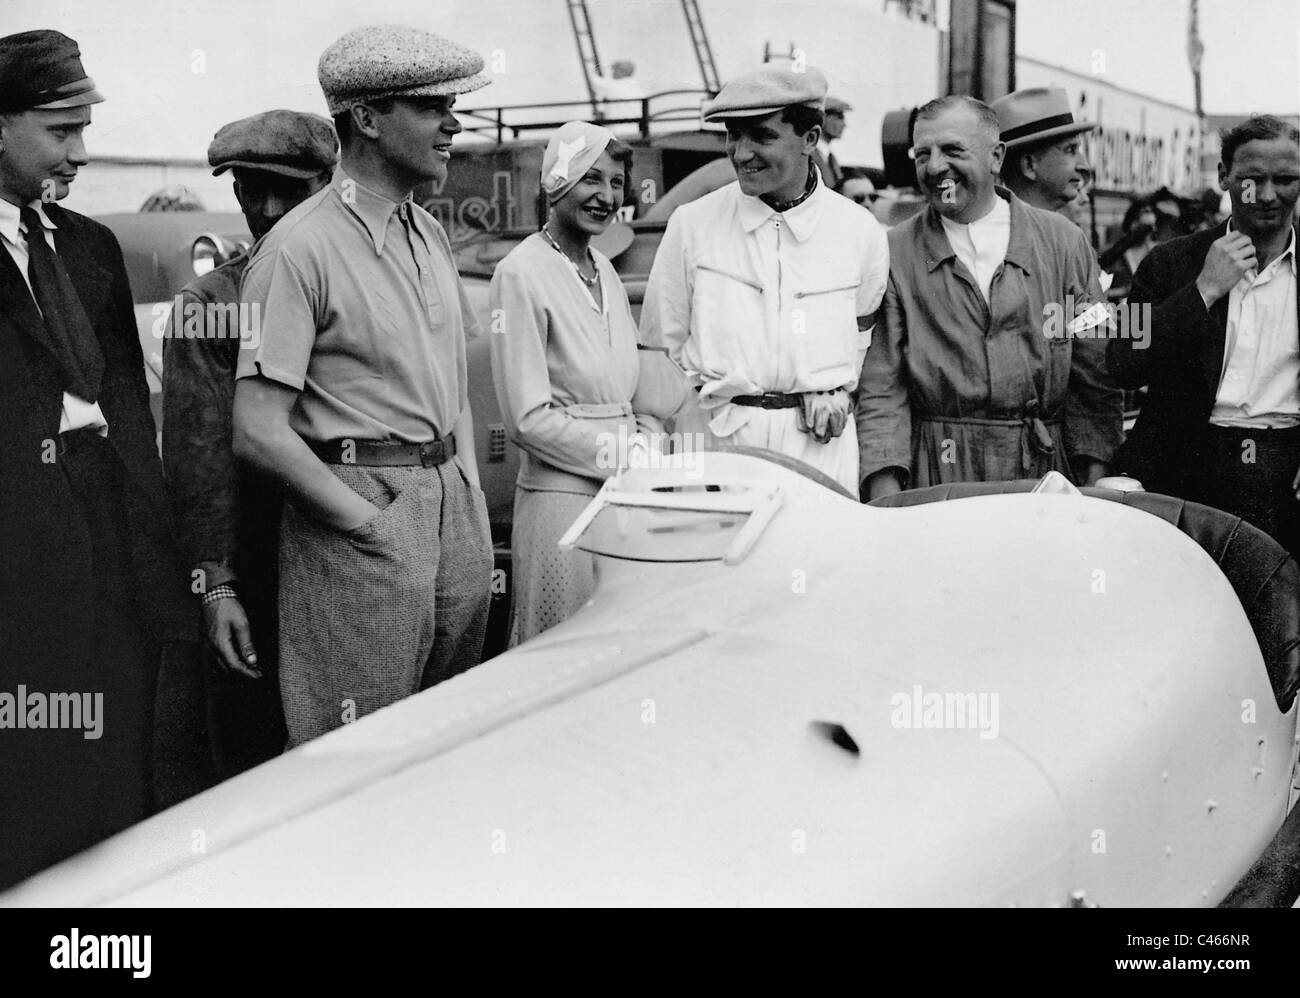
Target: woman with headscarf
[(566, 370)]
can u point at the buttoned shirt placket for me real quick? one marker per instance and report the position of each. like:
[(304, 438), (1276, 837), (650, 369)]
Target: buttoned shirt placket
[(420, 256)]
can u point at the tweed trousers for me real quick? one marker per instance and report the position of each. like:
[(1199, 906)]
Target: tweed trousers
[(372, 615)]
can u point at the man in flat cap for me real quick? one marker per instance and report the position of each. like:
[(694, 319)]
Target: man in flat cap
[(1044, 164), (968, 379), (832, 129), (764, 291), (227, 514), (90, 590), (356, 397)]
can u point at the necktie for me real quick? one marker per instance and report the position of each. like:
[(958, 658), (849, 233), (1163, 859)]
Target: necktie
[(68, 333), (834, 165)]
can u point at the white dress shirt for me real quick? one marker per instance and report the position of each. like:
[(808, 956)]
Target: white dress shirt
[(981, 246), (1259, 387), (77, 412)]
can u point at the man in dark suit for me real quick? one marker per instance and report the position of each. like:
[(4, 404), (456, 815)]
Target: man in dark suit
[(89, 588), (1221, 422)]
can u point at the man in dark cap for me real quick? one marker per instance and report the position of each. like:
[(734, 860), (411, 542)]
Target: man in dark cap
[(228, 515), (357, 397), (90, 592)]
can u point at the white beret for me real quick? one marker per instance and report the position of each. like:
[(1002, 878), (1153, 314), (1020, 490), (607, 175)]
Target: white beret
[(393, 60), (766, 91)]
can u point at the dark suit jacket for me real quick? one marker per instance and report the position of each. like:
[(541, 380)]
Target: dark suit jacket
[(45, 616), (1181, 364)]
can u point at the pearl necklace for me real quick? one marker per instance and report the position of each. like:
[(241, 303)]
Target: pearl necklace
[(589, 281)]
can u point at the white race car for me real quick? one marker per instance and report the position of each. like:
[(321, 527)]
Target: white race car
[(779, 696)]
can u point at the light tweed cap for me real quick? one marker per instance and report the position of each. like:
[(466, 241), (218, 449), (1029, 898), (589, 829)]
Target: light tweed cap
[(393, 60), (767, 90)]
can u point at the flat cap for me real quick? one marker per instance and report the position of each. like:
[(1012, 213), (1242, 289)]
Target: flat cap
[(393, 60), (42, 70), (766, 90), (286, 142), (835, 105)]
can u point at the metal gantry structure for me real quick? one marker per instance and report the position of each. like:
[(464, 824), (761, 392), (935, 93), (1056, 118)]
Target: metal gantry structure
[(580, 19), (700, 42)]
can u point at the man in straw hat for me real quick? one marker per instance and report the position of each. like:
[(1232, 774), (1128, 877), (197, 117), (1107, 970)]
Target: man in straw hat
[(228, 516), (90, 592), (765, 290), (1044, 164), (356, 397)]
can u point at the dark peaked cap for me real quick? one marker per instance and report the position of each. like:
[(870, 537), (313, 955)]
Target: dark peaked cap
[(291, 143), (42, 70)]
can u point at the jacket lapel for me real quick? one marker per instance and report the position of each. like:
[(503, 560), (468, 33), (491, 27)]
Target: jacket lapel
[(93, 282), (20, 307), (1214, 358), (26, 338)]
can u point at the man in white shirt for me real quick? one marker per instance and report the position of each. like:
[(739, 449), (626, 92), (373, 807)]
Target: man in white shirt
[(1221, 422), (764, 291)]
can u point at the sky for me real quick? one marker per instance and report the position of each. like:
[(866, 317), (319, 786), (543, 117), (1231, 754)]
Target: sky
[(1252, 48), (173, 67)]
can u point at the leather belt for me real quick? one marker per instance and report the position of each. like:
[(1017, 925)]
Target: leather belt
[(377, 453), (768, 400)]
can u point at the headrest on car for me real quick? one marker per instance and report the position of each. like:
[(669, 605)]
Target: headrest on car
[(1264, 576)]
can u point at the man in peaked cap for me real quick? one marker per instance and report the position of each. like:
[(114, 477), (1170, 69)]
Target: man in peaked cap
[(356, 397), (227, 514), (764, 291), (1044, 164), (90, 593), (832, 129)]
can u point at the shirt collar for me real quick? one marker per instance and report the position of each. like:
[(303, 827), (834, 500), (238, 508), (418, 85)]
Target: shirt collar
[(10, 220), (801, 220), (1020, 250), (1289, 251), (372, 209)]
